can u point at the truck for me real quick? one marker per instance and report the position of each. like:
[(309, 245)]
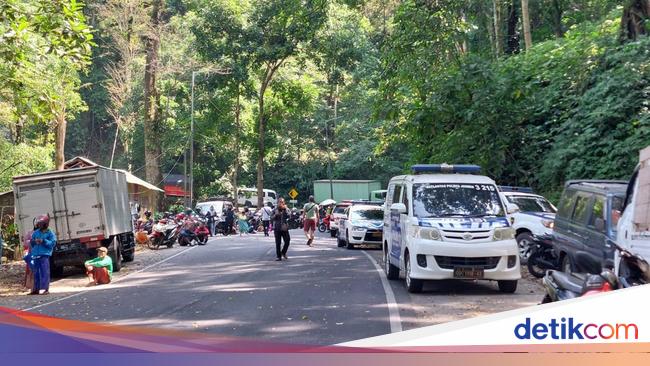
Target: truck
[(345, 189), (88, 208)]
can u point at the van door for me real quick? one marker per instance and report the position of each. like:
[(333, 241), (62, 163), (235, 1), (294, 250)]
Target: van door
[(577, 235), (33, 200), (395, 253), (596, 245), (82, 214)]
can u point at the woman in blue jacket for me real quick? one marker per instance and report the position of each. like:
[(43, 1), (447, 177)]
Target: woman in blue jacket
[(42, 244)]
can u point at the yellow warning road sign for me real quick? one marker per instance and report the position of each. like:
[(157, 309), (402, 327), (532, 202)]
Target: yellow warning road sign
[(293, 193)]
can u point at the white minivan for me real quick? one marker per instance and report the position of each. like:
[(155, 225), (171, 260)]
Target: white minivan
[(247, 197), (445, 222)]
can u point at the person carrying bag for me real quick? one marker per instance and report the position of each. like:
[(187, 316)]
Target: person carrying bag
[(280, 219)]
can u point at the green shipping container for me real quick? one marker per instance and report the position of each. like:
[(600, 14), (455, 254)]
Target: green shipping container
[(345, 189)]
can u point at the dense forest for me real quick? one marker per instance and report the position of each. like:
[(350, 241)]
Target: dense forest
[(288, 91)]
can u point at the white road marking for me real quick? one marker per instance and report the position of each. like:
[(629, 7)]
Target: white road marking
[(393, 308), (117, 280)]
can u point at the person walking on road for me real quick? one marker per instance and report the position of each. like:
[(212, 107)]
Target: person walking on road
[(211, 217), (280, 218), (243, 222), (310, 212), (230, 221), (41, 246), (266, 217)]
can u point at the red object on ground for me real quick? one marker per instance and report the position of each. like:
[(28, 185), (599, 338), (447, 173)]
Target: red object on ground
[(100, 275)]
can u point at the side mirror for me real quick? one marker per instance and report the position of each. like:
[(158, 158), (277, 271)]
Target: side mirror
[(399, 207), (512, 208), (600, 224)]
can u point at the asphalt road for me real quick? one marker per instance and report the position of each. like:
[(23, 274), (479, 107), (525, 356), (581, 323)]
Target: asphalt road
[(233, 286)]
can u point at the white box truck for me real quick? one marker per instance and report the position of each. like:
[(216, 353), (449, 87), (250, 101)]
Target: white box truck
[(88, 208)]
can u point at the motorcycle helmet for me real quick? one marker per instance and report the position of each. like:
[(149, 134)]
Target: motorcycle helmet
[(43, 222), (147, 214)]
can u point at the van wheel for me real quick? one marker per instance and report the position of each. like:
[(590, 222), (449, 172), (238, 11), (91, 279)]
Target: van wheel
[(116, 255), (392, 272), (347, 242), (508, 287), (525, 243), (566, 264), (413, 285)]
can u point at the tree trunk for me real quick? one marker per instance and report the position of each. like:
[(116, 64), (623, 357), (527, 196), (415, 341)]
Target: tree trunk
[(151, 100), (235, 174), (636, 16), (260, 148), (513, 35), (525, 19), (498, 38), (59, 140), (556, 12)]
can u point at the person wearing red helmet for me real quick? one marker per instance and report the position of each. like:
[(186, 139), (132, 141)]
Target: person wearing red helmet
[(41, 247)]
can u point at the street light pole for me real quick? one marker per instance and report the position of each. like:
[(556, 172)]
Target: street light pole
[(191, 180)]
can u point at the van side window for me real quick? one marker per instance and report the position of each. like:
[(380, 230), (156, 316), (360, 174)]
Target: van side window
[(389, 196), (598, 212), (405, 199), (565, 208), (580, 211), (397, 193)]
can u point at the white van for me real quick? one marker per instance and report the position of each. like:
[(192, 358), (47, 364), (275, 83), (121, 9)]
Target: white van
[(443, 222), (247, 197)]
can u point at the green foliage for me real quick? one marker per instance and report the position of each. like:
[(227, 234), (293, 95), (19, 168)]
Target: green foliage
[(22, 159)]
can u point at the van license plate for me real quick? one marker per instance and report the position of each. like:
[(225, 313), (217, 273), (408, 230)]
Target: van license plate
[(468, 272)]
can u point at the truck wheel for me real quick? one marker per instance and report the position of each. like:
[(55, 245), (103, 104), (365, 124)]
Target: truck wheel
[(116, 256), (508, 287), (525, 243), (413, 285), (392, 271), (128, 257), (347, 242), (56, 271)]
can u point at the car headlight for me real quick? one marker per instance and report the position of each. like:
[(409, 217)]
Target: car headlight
[(427, 233), (505, 233), (548, 223), (358, 228)]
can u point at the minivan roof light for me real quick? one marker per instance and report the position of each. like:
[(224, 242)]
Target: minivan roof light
[(445, 168)]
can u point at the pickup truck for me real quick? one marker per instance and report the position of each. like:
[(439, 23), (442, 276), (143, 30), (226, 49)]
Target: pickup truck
[(88, 208)]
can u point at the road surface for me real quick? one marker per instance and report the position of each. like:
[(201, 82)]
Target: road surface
[(233, 286)]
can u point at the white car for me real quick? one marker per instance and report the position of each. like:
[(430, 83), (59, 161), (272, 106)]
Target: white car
[(534, 218), (443, 222), (337, 214), (247, 197), (362, 224)]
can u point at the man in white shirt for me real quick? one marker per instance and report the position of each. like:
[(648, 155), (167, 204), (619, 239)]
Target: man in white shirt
[(266, 217)]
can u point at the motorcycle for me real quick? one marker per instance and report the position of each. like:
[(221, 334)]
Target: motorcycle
[(542, 256), (164, 232), (324, 224), (295, 220), (634, 271)]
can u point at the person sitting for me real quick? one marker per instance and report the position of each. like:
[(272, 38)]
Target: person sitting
[(100, 269), (202, 232), (187, 235)]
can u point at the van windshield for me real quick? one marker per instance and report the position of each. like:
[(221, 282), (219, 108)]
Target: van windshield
[(456, 200)]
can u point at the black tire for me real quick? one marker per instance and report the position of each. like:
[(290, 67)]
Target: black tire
[(508, 287), (129, 256), (413, 285), (56, 271), (347, 242), (546, 299), (333, 233), (525, 244), (116, 255), (533, 267), (322, 228), (392, 271), (566, 266)]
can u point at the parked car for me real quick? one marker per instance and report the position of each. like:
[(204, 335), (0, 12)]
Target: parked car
[(362, 224), (220, 207), (448, 222), (247, 197), (583, 223), (534, 218), (337, 214)]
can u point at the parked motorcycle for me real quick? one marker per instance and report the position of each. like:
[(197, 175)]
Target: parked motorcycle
[(295, 220), (592, 279), (324, 224), (542, 256), (164, 232)]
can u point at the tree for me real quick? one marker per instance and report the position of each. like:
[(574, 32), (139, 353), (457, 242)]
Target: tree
[(525, 20), (636, 19), (152, 123)]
